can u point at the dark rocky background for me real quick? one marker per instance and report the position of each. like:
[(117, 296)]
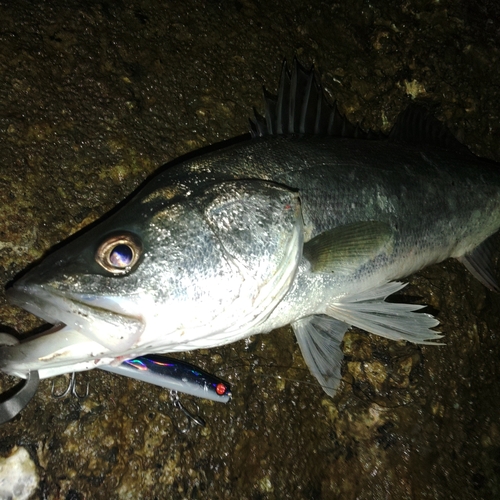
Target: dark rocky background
[(95, 95)]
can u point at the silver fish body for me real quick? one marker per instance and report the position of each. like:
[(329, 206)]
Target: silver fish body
[(288, 228)]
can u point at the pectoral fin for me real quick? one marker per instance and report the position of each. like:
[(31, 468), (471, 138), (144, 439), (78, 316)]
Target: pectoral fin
[(346, 248)]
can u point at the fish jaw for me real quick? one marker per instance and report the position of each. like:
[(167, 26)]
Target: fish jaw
[(56, 351), (102, 320)]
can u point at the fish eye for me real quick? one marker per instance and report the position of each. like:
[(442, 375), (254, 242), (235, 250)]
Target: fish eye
[(119, 253)]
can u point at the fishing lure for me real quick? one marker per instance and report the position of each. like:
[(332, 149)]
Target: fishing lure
[(175, 375), (166, 372)]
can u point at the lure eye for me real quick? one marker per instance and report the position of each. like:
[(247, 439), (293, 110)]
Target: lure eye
[(119, 253)]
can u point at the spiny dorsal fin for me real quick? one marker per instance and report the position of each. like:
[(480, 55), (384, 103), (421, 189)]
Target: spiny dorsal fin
[(301, 108), (417, 126)]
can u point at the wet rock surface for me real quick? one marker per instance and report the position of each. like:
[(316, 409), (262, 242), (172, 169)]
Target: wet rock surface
[(95, 96)]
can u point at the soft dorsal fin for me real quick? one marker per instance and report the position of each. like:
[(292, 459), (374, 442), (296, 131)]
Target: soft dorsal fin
[(301, 108), (417, 126)]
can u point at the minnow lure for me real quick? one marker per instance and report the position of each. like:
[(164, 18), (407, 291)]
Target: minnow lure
[(175, 375), (166, 372)]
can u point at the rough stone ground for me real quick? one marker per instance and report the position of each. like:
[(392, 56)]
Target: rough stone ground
[(95, 95)]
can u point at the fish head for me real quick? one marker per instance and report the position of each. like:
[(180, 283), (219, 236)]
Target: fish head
[(172, 270)]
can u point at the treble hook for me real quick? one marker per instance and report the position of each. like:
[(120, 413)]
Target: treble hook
[(190, 416), (70, 389)]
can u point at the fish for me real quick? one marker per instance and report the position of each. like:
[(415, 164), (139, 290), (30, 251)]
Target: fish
[(309, 221)]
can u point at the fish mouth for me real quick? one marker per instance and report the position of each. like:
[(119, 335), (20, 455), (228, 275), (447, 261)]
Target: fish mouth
[(102, 320), (53, 352)]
